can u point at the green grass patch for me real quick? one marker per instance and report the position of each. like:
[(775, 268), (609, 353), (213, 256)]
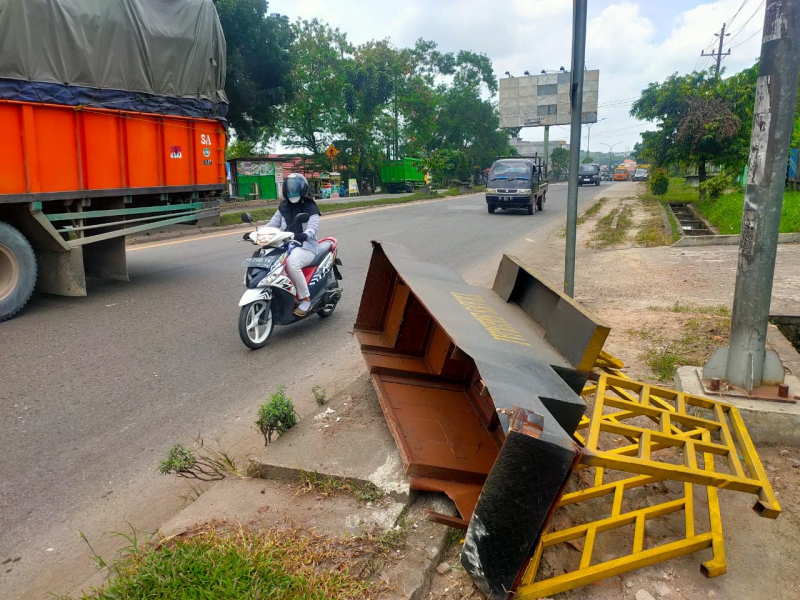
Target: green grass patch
[(689, 307), (678, 192), (591, 211), (613, 228), (263, 214), (699, 337), (326, 485), (227, 563), (725, 212)]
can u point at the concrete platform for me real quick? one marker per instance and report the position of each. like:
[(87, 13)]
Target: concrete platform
[(348, 438), (768, 422)]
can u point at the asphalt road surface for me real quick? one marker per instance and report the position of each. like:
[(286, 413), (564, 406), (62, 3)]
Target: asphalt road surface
[(94, 390)]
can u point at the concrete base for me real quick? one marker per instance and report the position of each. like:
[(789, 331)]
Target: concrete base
[(347, 438), (768, 422)]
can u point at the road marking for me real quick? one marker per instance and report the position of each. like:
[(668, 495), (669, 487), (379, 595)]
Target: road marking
[(199, 237)]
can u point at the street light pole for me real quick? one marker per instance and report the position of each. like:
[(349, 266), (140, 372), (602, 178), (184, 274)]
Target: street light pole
[(576, 101), (589, 137), (745, 362), (610, 150)]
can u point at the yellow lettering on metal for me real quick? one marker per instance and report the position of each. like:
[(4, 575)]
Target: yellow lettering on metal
[(496, 325)]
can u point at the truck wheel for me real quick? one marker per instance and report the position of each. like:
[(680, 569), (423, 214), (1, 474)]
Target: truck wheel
[(17, 271), (540, 203), (491, 208)]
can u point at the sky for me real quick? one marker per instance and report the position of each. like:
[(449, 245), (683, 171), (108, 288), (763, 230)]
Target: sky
[(633, 43)]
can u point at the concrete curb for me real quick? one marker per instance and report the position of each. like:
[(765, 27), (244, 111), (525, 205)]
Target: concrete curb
[(169, 235), (728, 240)]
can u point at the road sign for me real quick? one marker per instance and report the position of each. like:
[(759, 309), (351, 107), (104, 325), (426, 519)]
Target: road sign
[(331, 152), (538, 100)]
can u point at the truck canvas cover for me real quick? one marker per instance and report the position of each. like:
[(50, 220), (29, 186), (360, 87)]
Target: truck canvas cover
[(156, 56)]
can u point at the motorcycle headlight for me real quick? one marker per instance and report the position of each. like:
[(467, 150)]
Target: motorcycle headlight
[(271, 277), (491, 190)]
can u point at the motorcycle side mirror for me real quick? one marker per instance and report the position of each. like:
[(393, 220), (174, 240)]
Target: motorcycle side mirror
[(246, 218), (302, 218)]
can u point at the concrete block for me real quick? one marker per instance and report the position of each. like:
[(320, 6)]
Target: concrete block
[(767, 422)]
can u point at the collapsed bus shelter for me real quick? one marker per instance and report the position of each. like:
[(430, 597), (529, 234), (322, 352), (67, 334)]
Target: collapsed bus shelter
[(481, 390)]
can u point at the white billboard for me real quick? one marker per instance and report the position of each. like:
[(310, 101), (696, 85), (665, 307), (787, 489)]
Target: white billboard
[(537, 100)]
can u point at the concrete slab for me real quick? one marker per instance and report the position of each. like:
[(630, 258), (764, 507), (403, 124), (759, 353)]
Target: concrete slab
[(348, 438), (768, 422), (728, 240), (271, 502)]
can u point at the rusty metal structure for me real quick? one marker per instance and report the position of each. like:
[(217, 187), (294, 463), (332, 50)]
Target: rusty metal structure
[(481, 390)]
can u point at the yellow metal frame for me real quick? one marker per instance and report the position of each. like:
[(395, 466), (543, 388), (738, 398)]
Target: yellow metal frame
[(672, 410)]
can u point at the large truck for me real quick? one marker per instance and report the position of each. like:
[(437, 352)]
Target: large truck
[(113, 121), (402, 175)]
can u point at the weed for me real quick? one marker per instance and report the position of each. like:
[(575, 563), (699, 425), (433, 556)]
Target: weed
[(319, 394), (325, 485), (223, 562), (479, 188), (591, 211), (276, 416), (198, 462), (651, 233), (689, 307), (613, 228)]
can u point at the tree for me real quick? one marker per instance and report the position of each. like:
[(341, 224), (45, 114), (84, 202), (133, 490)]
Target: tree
[(588, 159), (259, 66), (321, 55), (559, 161)]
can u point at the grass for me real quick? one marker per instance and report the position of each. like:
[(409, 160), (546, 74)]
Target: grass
[(688, 307), (325, 485), (606, 234), (227, 563), (651, 233), (700, 335), (263, 214), (725, 212), (678, 191), (591, 211)]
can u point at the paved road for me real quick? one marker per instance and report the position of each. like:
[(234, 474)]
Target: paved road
[(94, 390)]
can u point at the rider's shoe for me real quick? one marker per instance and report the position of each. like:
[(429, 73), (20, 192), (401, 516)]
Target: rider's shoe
[(302, 308)]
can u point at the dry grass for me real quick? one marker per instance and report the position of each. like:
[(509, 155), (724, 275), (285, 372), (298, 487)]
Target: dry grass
[(325, 485), (613, 228)]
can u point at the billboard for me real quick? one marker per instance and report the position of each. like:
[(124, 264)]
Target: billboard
[(538, 100)]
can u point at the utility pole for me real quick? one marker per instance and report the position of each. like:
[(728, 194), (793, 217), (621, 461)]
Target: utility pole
[(589, 136), (610, 150), (745, 362), (547, 145), (718, 55), (579, 9)]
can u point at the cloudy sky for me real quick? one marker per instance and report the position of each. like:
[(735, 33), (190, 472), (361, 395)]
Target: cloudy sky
[(632, 42)]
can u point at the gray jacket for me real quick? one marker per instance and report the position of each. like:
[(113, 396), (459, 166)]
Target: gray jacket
[(310, 229)]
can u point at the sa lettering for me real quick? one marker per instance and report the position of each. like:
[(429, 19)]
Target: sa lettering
[(205, 139)]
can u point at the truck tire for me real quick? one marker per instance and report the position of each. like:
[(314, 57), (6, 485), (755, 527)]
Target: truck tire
[(540, 203), (531, 208), (490, 208), (17, 271)]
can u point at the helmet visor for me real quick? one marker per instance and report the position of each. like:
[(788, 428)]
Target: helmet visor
[(295, 187)]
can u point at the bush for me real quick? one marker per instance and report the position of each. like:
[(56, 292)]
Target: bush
[(659, 182), (276, 416), (716, 186)]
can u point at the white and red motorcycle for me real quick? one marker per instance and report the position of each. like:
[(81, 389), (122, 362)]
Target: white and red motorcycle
[(270, 298)]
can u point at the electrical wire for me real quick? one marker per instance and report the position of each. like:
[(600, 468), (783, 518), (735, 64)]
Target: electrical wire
[(747, 40), (733, 18), (738, 31)]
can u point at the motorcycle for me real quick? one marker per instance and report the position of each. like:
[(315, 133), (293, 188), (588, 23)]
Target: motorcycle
[(270, 295)]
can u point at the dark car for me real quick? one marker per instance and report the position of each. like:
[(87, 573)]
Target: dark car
[(589, 174), (517, 183)]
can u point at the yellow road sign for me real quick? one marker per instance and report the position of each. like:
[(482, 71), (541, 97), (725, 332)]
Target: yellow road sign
[(331, 152)]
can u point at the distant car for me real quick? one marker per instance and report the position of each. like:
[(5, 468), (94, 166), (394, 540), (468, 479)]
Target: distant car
[(517, 183), (621, 174), (589, 173), (640, 175)]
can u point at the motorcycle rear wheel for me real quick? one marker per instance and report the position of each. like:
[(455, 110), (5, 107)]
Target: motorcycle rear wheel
[(256, 324)]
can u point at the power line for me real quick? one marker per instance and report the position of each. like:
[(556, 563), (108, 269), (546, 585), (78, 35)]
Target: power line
[(719, 53), (738, 31), (733, 18), (747, 40)]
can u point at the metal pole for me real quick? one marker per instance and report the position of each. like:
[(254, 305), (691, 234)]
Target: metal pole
[(776, 88), (546, 145), (576, 92)]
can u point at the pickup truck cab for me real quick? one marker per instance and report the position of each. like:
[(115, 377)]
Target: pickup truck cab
[(589, 173), (517, 183)]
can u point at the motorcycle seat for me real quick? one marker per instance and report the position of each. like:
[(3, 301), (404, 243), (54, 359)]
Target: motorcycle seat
[(322, 250)]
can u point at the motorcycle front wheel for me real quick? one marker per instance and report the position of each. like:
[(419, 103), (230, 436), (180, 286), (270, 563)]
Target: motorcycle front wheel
[(256, 324)]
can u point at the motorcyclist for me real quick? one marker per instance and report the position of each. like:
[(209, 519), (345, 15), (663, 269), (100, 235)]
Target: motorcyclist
[(296, 200)]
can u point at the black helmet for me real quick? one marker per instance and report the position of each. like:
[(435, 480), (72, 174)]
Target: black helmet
[(295, 186)]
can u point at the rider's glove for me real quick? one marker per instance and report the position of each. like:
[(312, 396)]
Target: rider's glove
[(300, 237)]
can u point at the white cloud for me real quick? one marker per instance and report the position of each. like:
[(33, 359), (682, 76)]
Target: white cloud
[(632, 42)]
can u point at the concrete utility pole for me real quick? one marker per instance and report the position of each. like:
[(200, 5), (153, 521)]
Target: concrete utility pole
[(547, 146), (718, 55), (745, 362), (576, 100)]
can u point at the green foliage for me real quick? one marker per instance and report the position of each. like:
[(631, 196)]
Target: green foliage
[(276, 416), (234, 563), (588, 159), (319, 395), (659, 182), (699, 119), (240, 147), (559, 161), (327, 485), (716, 186), (725, 212), (199, 462), (259, 65)]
